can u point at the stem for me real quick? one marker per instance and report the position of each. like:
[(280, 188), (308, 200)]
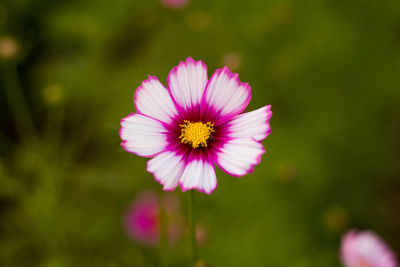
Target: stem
[(18, 106), (192, 230), (163, 233)]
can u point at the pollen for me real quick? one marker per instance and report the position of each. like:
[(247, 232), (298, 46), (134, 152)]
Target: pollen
[(196, 134)]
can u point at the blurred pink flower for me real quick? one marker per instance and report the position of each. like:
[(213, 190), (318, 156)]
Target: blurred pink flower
[(366, 249), (174, 4), (142, 220), (201, 234)]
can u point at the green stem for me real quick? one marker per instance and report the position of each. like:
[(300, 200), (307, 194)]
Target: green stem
[(15, 97), (192, 230), (163, 233)]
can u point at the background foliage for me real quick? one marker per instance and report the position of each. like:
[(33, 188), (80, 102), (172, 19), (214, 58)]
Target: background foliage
[(330, 69)]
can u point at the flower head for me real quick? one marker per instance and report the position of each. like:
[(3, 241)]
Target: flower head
[(365, 249), (194, 124), (142, 219)]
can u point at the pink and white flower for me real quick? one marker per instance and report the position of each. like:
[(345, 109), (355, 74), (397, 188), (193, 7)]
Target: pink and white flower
[(366, 249), (193, 124)]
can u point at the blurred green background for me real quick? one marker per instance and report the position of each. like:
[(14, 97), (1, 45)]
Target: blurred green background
[(330, 69)]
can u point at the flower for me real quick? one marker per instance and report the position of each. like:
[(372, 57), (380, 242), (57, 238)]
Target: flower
[(365, 249), (193, 124), (142, 219)]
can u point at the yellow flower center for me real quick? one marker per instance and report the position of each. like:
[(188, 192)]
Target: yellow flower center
[(196, 133)]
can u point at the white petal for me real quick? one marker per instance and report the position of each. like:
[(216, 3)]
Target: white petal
[(200, 175), (187, 82), (167, 168), (253, 124), (154, 100), (226, 94), (143, 135), (238, 157)]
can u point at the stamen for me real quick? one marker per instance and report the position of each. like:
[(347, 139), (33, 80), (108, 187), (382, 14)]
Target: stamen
[(196, 133)]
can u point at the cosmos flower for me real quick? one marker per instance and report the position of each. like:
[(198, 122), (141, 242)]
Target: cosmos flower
[(194, 124), (365, 249), (142, 219)]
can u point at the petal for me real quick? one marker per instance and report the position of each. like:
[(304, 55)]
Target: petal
[(143, 135), (254, 124), (373, 249), (199, 174), (225, 96), (348, 250), (187, 82), (153, 99), (167, 168), (238, 157)]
